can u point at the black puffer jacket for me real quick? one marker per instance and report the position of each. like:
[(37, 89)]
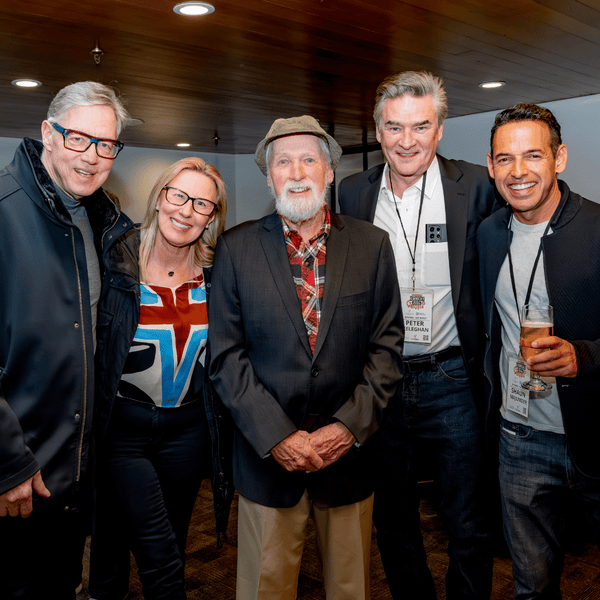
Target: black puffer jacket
[(118, 319), (46, 345)]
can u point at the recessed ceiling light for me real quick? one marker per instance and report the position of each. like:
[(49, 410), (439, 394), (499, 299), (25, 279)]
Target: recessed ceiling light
[(183, 145), (490, 85), (26, 83), (193, 9)]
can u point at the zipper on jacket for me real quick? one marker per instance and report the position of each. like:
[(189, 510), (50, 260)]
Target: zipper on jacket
[(85, 363), (110, 228)]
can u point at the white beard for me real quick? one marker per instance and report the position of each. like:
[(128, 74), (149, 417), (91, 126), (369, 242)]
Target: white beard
[(298, 210)]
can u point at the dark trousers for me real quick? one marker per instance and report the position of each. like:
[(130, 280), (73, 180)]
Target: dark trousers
[(149, 472), (40, 555), (437, 409)]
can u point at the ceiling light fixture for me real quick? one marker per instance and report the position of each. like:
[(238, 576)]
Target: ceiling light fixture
[(194, 9), (97, 53), (490, 85), (183, 145), (26, 83)]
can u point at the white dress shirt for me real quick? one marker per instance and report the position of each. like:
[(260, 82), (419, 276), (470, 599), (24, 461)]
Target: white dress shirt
[(432, 264)]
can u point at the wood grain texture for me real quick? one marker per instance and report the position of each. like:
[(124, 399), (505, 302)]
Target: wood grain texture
[(250, 62)]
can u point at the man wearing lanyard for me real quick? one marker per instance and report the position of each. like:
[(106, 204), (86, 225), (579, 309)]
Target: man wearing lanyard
[(543, 249), (431, 207)]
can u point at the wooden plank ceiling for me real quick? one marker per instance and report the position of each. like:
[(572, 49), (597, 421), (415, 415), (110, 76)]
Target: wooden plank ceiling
[(234, 71)]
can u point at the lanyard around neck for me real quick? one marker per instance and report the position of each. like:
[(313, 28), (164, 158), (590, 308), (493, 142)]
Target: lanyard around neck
[(533, 271), (413, 254)]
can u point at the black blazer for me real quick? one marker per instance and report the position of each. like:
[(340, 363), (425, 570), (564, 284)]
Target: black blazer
[(266, 374), (469, 197)]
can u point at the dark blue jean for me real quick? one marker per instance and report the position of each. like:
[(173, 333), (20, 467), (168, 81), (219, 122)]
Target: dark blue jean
[(536, 477), (436, 408), (150, 469)]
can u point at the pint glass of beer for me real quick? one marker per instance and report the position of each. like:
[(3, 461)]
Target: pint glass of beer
[(536, 322)]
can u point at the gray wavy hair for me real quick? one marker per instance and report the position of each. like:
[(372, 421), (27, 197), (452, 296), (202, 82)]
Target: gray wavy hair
[(87, 93), (414, 83)]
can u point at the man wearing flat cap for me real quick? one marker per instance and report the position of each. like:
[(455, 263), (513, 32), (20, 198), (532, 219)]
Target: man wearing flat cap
[(306, 347)]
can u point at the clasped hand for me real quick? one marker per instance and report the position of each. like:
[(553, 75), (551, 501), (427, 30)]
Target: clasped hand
[(558, 361), (303, 451)]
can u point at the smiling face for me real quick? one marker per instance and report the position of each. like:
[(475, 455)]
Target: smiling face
[(409, 135), (79, 174), (180, 226), (298, 175), (524, 168)]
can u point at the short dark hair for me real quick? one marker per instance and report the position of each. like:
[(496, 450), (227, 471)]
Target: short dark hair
[(529, 112)]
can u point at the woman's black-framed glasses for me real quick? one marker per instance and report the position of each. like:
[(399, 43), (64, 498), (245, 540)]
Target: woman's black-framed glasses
[(179, 198), (80, 142)]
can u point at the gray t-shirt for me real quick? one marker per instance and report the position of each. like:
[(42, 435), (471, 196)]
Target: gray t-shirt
[(544, 407), (81, 221)]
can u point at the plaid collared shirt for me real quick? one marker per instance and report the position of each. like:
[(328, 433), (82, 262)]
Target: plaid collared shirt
[(308, 270)]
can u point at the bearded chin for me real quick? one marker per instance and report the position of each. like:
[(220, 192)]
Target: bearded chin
[(297, 210)]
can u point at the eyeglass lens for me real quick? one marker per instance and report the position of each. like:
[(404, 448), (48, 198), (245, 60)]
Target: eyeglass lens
[(80, 143), (179, 198)]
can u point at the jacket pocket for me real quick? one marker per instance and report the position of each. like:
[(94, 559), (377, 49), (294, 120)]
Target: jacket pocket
[(354, 299)]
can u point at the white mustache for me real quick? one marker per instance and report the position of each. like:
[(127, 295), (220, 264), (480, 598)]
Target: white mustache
[(297, 210)]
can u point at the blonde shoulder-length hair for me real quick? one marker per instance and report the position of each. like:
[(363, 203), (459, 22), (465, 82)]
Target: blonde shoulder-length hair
[(201, 252)]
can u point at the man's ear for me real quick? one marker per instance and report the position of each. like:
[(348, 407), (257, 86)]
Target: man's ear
[(560, 161), (378, 134), (47, 131), (490, 165), (440, 133), (329, 175)]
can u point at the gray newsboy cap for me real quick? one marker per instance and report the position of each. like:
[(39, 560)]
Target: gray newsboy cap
[(296, 125)]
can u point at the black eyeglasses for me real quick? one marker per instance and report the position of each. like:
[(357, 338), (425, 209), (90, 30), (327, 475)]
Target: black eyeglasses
[(179, 198), (80, 142)]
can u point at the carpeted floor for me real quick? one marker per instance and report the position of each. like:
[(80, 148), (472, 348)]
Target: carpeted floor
[(210, 572)]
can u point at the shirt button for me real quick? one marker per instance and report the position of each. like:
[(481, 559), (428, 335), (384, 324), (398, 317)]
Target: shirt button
[(76, 325), (314, 372)]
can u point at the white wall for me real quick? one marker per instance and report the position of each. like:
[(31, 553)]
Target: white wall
[(136, 169), (253, 198), (7, 150), (468, 138)]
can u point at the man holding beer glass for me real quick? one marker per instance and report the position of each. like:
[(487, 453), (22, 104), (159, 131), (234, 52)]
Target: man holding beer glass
[(542, 251)]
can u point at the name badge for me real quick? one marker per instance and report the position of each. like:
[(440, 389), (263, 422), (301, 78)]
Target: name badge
[(417, 308), (517, 397)]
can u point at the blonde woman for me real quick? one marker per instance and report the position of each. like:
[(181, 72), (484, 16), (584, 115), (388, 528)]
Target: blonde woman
[(158, 424)]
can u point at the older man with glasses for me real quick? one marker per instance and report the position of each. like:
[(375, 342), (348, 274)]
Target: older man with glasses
[(56, 225)]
